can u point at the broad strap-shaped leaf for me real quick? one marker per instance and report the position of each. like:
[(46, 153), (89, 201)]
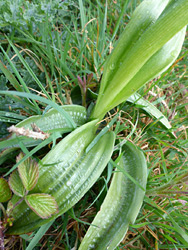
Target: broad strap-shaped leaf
[(29, 172), (122, 202), (44, 205), (51, 122), (16, 184), (149, 45), (5, 192)]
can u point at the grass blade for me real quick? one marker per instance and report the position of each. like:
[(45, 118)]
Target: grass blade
[(40, 233), (10, 77), (19, 78), (82, 14), (30, 153), (149, 108), (101, 133), (54, 105), (29, 69)]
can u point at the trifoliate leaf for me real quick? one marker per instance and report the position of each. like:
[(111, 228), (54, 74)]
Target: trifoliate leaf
[(44, 205), (16, 185), (29, 172), (5, 192)]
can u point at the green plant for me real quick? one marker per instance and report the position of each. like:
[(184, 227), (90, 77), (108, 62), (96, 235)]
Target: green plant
[(21, 182), (71, 172), (33, 130), (122, 202), (155, 51), (140, 55)]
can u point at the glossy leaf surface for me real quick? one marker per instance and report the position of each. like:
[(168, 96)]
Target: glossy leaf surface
[(149, 45), (122, 202)]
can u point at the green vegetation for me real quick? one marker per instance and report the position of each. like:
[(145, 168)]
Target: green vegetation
[(53, 54)]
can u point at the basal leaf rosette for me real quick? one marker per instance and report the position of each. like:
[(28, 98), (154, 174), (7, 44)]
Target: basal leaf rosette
[(150, 43)]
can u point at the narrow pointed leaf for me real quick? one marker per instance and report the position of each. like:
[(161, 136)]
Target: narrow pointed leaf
[(44, 205), (150, 109), (40, 233), (5, 192), (29, 172), (15, 184)]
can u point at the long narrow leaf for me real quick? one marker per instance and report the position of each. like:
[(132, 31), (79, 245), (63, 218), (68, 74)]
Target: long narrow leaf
[(19, 77), (40, 233), (29, 69), (10, 77), (149, 108), (101, 133)]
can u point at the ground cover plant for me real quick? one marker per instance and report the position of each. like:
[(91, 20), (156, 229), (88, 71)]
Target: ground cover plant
[(53, 55)]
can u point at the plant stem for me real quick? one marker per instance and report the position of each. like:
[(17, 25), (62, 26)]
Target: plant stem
[(83, 92)]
